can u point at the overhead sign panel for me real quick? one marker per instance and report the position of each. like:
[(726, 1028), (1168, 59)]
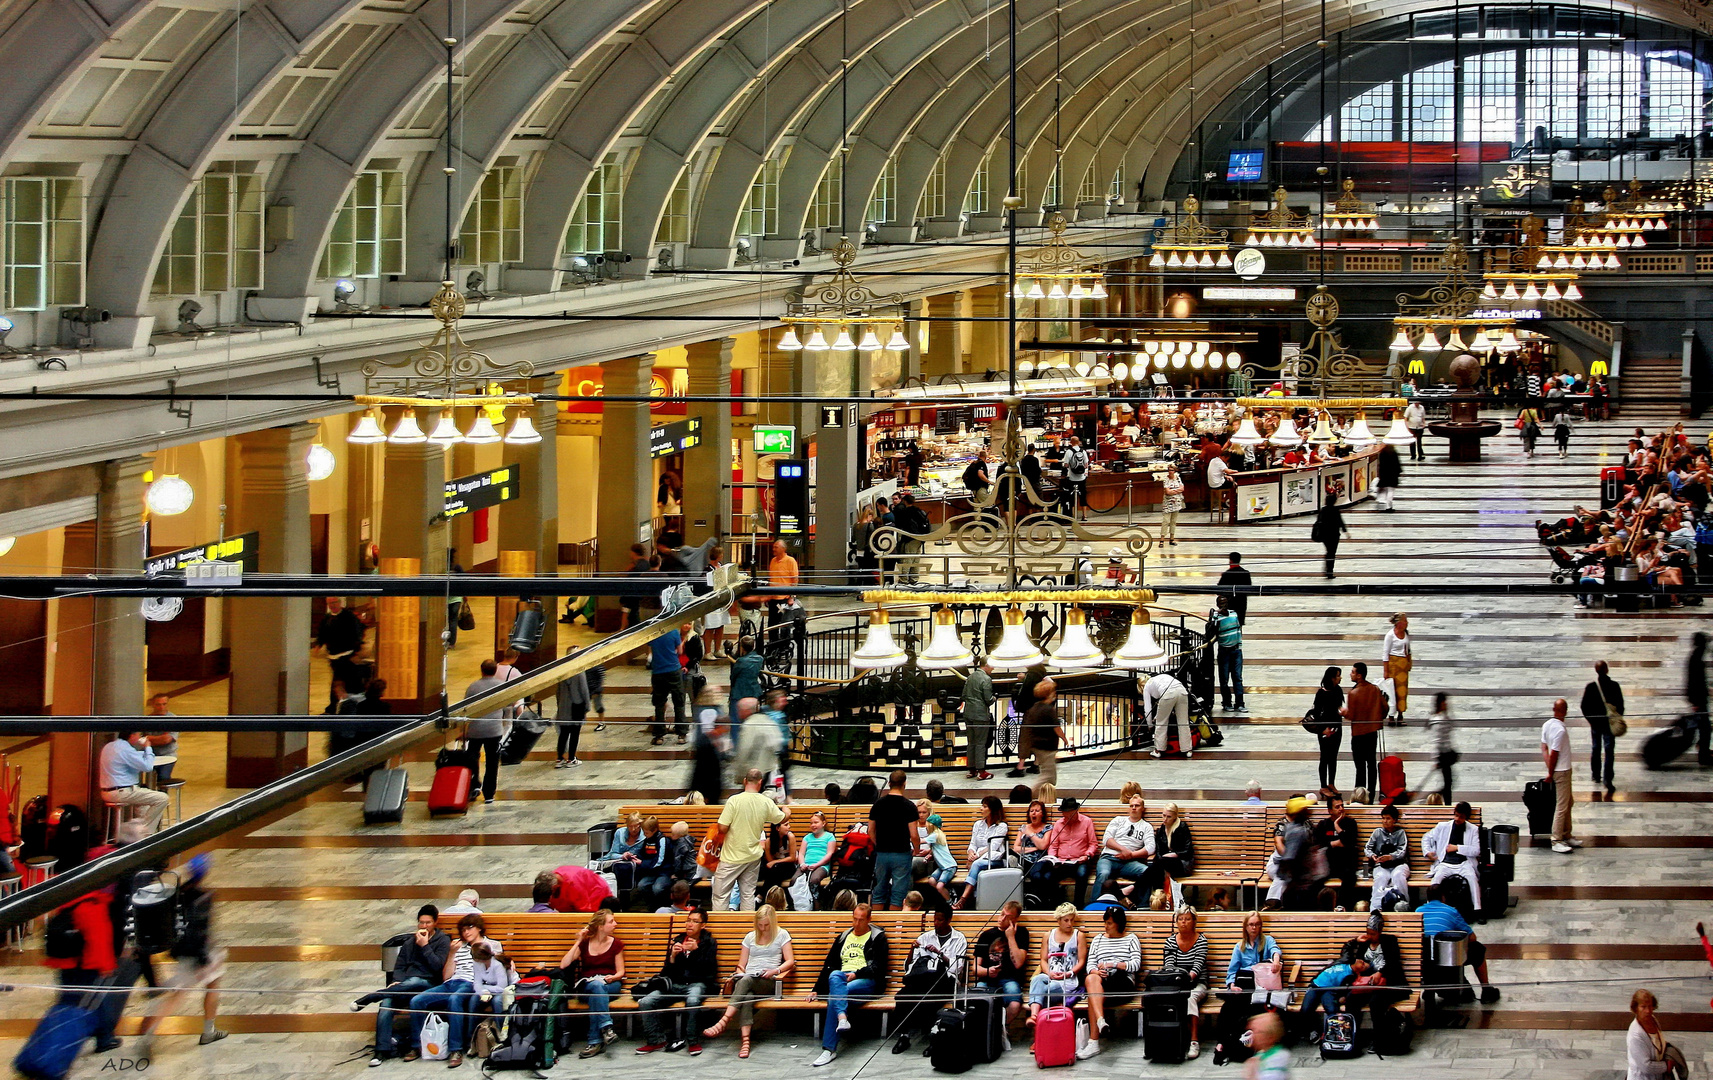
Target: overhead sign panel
[(481, 490), (233, 549)]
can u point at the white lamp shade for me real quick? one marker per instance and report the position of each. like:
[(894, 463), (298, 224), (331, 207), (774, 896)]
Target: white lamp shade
[(878, 649), (1401, 343), (1359, 435), (1530, 292), (168, 495), (1174, 259), (1224, 259), (1551, 291), (1246, 435), (788, 341), (1075, 292), (1481, 342), (1075, 650), (407, 430), (1180, 359), (1121, 371), (482, 431), (1139, 650), (1571, 292), (946, 649), (1025, 367), (1216, 361), (1099, 290), (870, 341), (1036, 292), (1015, 650), (897, 342), (1399, 435), (843, 341), (446, 432), (1489, 292), (1322, 433), (1197, 360), (1057, 292), (1429, 343), (1286, 433), (817, 342), (1508, 342), (1455, 342), (368, 430), (319, 462), (1157, 261), (523, 431), (1509, 292), (6, 543)]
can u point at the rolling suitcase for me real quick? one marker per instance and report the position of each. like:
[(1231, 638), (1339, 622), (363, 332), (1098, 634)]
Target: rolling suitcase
[(1540, 801), (1664, 746), (384, 803), (1165, 1016), (52, 1048), (1393, 788), (519, 743), (994, 887), (1055, 1037), (984, 1026), (450, 793)]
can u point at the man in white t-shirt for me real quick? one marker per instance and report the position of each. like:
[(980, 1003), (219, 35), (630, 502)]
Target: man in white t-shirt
[(1126, 848), (1555, 752)]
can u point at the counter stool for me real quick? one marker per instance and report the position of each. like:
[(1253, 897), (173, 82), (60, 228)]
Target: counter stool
[(10, 884), (117, 814), (37, 869), (175, 789)]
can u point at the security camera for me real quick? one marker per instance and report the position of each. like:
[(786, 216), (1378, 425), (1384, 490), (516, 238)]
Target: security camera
[(473, 286), (187, 313)]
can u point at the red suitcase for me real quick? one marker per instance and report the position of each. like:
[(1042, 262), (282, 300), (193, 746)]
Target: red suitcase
[(450, 793), (1055, 1037), (1392, 786)]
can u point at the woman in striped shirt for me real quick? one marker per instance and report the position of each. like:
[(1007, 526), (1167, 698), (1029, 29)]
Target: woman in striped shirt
[(1114, 958), (1186, 950)]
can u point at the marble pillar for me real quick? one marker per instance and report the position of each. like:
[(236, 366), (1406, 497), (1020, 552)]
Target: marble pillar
[(413, 539), (708, 467), (624, 512)]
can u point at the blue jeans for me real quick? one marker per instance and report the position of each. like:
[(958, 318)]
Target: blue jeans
[(841, 991), (1327, 996), (1010, 991), (891, 878), (657, 1023), (395, 997), (945, 875), (597, 994), (442, 998), (463, 1019), (1111, 866), (1231, 675), (1600, 738)]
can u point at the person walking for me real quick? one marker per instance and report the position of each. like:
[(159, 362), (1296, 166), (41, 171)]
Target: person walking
[(199, 962), (1329, 527), (1076, 463), (1601, 698), (1695, 688), (1044, 735), (484, 733), (1365, 708), (572, 698), (1415, 418), (1395, 664), (1555, 753), (1328, 728), (339, 636), (1561, 432), (1388, 470), (979, 699), (1440, 728), (736, 842), (1174, 502), (1529, 425), (1647, 1054), (1238, 575), (1228, 628), (666, 683)]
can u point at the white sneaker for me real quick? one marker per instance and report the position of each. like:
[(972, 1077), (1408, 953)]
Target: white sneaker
[(574, 763), (826, 1058), (1088, 1050), (1562, 848), (844, 1022), (1193, 1052), (356, 1006), (1574, 842)]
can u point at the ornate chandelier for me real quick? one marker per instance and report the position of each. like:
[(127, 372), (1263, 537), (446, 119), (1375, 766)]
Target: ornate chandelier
[(841, 306), (1188, 243), (1066, 272)]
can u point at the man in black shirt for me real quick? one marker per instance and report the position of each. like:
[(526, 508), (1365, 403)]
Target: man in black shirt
[(421, 961), (1002, 958), (1235, 574), (1336, 833), (892, 823), (340, 636), (1045, 734), (913, 465)]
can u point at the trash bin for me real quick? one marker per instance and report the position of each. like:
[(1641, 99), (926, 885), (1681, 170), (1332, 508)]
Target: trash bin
[(1451, 949)]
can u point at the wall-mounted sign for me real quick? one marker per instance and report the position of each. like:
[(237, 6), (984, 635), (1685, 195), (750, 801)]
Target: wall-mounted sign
[(791, 496), (1249, 264), (1505, 313), (1248, 292), (481, 490), (665, 440), (777, 439), (985, 412), (233, 549), (832, 416)]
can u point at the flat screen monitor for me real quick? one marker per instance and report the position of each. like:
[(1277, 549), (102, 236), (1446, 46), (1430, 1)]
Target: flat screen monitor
[(1244, 166)]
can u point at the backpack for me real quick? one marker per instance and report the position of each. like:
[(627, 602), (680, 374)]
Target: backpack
[(33, 827), (64, 937), (68, 836), (856, 849), (524, 1038)]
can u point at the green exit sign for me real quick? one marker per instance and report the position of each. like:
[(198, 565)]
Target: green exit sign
[(775, 440)]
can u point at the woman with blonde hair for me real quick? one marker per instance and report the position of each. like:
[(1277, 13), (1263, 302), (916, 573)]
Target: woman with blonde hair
[(1175, 856), (1064, 956), (600, 978), (1650, 1056), (1396, 663), (764, 961)]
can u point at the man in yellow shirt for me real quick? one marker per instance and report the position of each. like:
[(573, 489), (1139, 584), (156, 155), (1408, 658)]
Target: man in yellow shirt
[(737, 842)]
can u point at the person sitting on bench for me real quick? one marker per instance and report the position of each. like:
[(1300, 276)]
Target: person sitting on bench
[(1071, 849), (932, 972), (1454, 848), (854, 970), (1439, 917)]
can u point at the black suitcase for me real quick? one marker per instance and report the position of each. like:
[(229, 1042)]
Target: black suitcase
[(1393, 1031), (388, 789), (1540, 800), (984, 1026), (1165, 1016), (1668, 744), (949, 1041), (518, 744)]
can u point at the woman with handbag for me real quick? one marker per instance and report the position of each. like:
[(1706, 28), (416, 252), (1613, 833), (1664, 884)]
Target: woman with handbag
[(1528, 424), (1325, 722), (764, 962), (1649, 1055), (595, 968), (1255, 960), (987, 845)]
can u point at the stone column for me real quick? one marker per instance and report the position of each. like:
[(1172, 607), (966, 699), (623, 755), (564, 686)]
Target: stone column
[(270, 666), (913, 356), (987, 339), (408, 648), (943, 357), (708, 468), (625, 506), (120, 652), (529, 524), (838, 460)]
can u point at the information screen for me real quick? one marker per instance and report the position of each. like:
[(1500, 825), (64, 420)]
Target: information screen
[(1244, 166), (481, 490)]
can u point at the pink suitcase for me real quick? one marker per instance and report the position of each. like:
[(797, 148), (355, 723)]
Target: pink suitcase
[(1055, 1037)]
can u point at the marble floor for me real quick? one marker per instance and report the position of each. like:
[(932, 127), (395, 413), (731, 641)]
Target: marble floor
[(1588, 928)]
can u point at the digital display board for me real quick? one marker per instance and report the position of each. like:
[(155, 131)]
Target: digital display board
[(668, 439), (481, 490), (1244, 166), (791, 496), (234, 549), (780, 439)]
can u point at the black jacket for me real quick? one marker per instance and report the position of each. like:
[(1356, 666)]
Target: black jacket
[(701, 965), (1325, 832), (1389, 469), (1595, 709), (1695, 685), (877, 959), (427, 961), (341, 633), (1182, 845), (1327, 701), (1237, 575), (1393, 972), (1328, 525)]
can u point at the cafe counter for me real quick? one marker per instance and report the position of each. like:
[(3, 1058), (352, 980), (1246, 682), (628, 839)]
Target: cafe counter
[(1289, 492)]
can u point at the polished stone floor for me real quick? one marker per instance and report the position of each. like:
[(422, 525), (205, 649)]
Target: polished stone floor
[(1588, 929)]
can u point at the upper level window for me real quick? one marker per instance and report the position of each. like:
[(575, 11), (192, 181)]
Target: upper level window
[(216, 243), (44, 242), (368, 233), (493, 226)]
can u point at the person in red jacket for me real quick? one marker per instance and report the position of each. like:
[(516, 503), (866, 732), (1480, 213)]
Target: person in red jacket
[(90, 915)]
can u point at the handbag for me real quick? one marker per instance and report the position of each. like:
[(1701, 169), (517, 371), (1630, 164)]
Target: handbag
[(1614, 719), (466, 617)]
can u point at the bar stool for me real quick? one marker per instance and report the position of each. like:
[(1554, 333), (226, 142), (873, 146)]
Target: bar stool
[(175, 789), (37, 869), (117, 815), (10, 884)]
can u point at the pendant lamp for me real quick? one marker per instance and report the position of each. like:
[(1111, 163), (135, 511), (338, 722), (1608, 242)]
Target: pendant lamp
[(1139, 650), (878, 649), (445, 431), (523, 431), (168, 495), (407, 431), (1015, 650), (319, 462), (1246, 435), (946, 648), (368, 430), (788, 342), (1322, 433), (1359, 435), (897, 342), (1286, 433), (1399, 435), (1075, 650), (482, 432), (1454, 343), (1429, 343), (870, 341), (1402, 342), (843, 341), (1508, 342), (817, 342)]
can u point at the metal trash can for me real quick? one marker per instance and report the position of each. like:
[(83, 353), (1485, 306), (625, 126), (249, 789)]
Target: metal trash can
[(600, 838), (1504, 839), (390, 950), (154, 911), (1451, 949)]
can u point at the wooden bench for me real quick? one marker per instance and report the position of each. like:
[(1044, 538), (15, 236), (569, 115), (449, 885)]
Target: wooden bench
[(1308, 941), (1233, 839)]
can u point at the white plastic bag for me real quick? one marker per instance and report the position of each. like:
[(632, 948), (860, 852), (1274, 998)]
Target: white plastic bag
[(801, 897), (436, 1033)]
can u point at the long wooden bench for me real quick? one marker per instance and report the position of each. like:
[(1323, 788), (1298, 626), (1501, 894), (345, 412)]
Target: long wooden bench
[(1232, 839), (1308, 940)]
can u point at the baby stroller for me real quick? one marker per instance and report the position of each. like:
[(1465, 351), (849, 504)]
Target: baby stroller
[(1567, 568)]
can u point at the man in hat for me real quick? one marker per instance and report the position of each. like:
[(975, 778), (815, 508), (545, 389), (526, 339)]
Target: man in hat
[(1116, 572), (1071, 849)]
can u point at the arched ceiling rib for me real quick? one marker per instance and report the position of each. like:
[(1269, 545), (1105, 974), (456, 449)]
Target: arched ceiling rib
[(45, 49)]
